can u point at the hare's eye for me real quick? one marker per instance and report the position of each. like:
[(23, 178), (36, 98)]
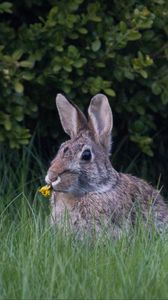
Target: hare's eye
[(86, 155)]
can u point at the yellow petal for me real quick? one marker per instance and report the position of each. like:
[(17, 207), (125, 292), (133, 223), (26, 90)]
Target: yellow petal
[(45, 190)]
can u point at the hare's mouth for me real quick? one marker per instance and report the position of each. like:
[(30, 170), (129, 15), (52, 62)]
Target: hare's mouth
[(55, 183), (66, 182)]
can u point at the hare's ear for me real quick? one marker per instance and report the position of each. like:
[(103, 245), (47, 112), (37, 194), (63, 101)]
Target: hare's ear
[(101, 120), (72, 119)]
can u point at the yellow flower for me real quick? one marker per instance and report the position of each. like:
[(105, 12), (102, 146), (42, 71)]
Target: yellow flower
[(46, 190)]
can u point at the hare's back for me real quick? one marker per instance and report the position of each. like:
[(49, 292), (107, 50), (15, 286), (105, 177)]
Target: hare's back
[(143, 196)]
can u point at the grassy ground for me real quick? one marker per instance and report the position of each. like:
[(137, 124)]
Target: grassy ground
[(36, 262)]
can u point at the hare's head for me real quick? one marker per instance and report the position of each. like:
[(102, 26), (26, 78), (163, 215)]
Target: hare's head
[(82, 164)]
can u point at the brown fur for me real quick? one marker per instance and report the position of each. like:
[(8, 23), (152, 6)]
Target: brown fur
[(92, 192)]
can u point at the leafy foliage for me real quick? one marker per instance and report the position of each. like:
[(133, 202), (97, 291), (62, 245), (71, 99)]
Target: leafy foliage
[(81, 48)]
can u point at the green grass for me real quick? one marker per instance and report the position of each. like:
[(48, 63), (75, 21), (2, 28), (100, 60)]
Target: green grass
[(36, 262)]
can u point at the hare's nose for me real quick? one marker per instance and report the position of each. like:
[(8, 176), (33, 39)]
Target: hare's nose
[(51, 177)]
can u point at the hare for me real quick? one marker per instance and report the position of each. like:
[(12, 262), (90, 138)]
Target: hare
[(85, 184)]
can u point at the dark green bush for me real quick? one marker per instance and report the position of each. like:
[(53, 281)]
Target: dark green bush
[(80, 48)]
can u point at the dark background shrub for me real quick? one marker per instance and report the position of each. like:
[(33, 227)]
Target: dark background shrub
[(81, 48)]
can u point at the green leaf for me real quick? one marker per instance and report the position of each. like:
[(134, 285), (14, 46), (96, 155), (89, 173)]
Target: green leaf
[(26, 64), (96, 45), (95, 18), (56, 68), (110, 92), (79, 63), (24, 141), (59, 48), (7, 123), (123, 27), (83, 30), (67, 68), (156, 89), (28, 76), (6, 7), (19, 88), (143, 73), (148, 61), (133, 35), (17, 54)]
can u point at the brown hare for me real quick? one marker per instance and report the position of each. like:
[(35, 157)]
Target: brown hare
[(86, 186)]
